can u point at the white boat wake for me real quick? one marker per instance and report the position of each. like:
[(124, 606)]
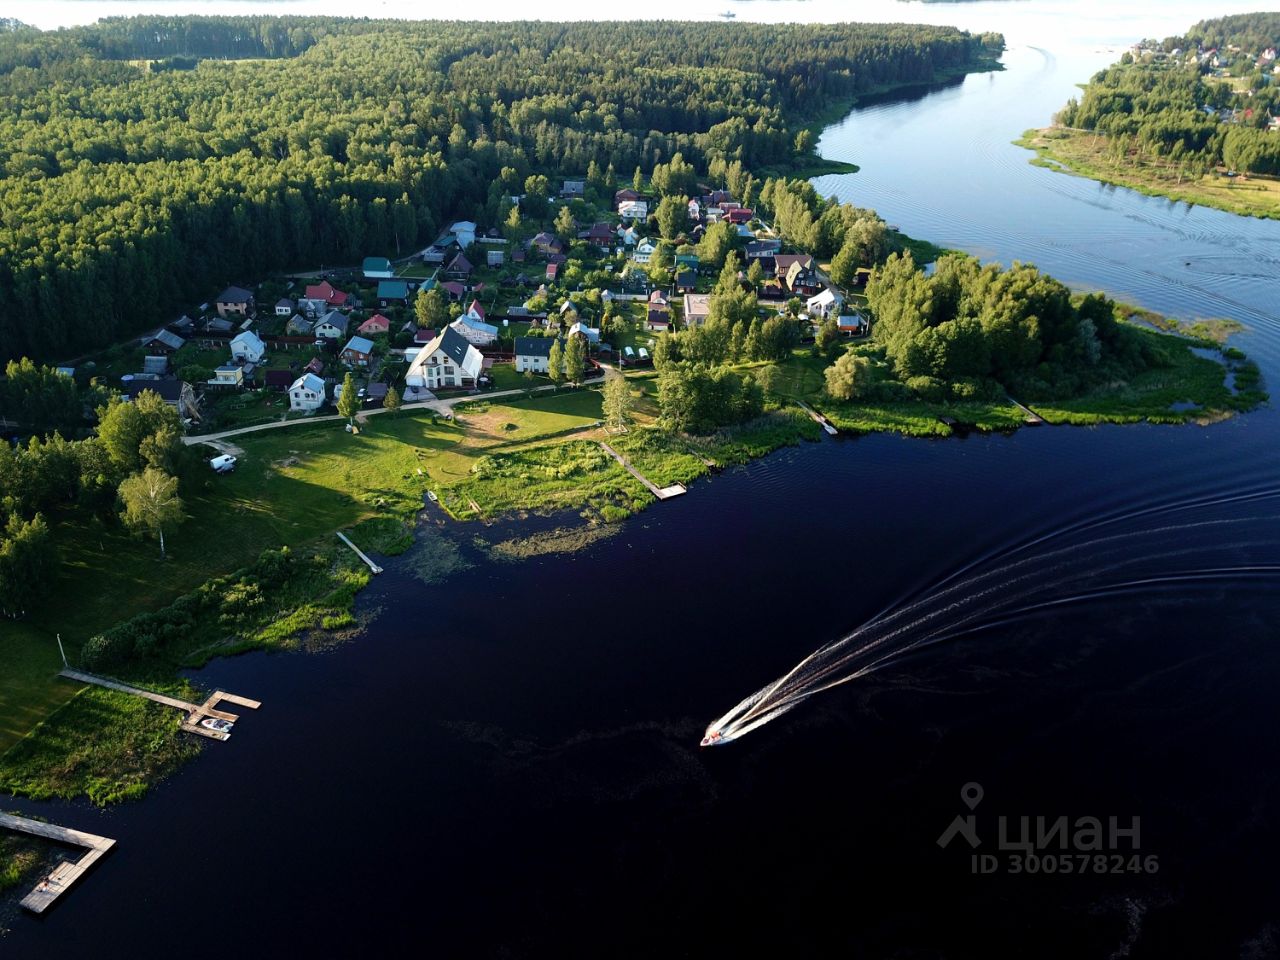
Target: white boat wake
[(1019, 584)]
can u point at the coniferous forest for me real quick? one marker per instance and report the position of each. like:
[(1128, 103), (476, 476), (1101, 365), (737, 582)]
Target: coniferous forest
[(147, 161)]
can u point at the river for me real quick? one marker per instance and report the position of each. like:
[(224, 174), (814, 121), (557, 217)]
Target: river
[(506, 764)]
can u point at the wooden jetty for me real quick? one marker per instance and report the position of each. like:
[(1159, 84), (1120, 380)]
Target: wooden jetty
[(827, 425), (359, 553), (60, 879), (195, 711), (1032, 418), (662, 493)]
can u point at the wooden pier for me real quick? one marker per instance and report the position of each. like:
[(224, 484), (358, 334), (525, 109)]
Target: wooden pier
[(826, 424), (1032, 418), (359, 553), (662, 493), (60, 879), (195, 711)]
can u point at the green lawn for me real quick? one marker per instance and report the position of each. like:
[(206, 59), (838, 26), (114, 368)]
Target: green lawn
[(292, 487)]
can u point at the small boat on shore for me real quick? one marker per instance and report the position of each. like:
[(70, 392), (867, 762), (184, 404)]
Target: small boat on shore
[(431, 495)]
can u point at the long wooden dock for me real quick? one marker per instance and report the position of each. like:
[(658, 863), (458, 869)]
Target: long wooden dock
[(1032, 418), (60, 879), (359, 553), (195, 711), (826, 424), (662, 493)]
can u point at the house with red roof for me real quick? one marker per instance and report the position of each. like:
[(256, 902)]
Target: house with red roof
[(326, 292), (375, 325), (455, 290)]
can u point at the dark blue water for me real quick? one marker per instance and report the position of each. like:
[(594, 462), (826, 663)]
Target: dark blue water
[(506, 764)]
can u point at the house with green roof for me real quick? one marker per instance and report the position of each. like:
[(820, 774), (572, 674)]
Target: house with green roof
[(377, 268), (389, 290)]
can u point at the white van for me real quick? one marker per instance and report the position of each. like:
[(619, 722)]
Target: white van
[(223, 464)]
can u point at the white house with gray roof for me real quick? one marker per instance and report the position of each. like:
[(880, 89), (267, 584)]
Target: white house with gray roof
[(447, 362)]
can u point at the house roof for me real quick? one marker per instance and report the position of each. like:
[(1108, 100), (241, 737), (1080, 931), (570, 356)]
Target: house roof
[(567, 306), (591, 333), (626, 193), (278, 378), (235, 295), (475, 324), (376, 390), (393, 290), (459, 264), (424, 335), (248, 337), (853, 320), (453, 288), (314, 365), (376, 322), (170, 391), (686, 278), (360, 345), (534, 346), (285, 302), (170, 340), (298, 320), (658, 315), (454, 346), (782, 262), (327, 292), (657, 296), (336, 320), (476, 309), (376, 265), (308, 381), (826, 296), (697, 304), (157, 365)]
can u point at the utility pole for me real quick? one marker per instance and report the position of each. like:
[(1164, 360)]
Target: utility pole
[(63, 652)]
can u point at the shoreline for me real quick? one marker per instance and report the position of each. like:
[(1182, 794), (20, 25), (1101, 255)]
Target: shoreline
[(1041, 141)]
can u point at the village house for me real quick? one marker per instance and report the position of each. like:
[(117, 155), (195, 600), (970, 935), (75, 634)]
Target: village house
[(533, 353), (306, 393), (278, 380), (314, 365), (802, 281), (393, 291), (687, 261), (598, 235), (235, 301), (175, 393), (374, 326), (285, 307), (448, 361), (326, 293), (658, 318), (686, 281), (163, 344), (628, 235), (422, 336), (573, 189), (377, 268), (332, 326), (227, 376), (453, 289), (459, 268), (494, 258), (547, 243), (739, 215), (358, 352), (464, 233), (553, 271), (644, 251), (590, 334), (634, 209), (695, 210), (475, 331), (625, 194), (697, 307), (853, 325), (247, 347), (299, 325), (824, 304)]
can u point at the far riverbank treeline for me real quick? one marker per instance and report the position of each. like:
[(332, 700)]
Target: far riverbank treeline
[(142, 170)]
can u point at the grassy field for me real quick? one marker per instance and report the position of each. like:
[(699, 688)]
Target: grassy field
[(1085, 154)]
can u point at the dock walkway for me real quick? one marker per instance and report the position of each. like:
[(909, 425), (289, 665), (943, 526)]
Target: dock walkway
[(662, 493), (195, 711), (1032, 418), (60, 879), (373, 567), (826, 424)]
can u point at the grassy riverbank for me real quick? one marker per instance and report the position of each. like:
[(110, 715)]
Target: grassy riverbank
[(539, 454), (1084, 153)]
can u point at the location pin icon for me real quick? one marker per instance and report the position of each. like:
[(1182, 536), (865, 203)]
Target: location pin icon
[(971, 794)]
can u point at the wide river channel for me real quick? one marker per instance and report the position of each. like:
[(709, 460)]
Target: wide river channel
[(506, 764)]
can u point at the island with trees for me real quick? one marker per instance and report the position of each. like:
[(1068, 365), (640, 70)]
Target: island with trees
[(1195, 118), (664, 301)]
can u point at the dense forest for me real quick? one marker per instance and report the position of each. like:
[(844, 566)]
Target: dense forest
[(1198, 101), (148, 161)]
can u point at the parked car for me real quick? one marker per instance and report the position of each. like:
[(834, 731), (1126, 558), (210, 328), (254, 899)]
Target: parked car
[(223, 464)]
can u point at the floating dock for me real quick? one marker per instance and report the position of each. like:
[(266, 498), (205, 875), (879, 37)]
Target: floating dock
[(827, 425), (359, 553), (662, 493), (60, 879), (195, 711)]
